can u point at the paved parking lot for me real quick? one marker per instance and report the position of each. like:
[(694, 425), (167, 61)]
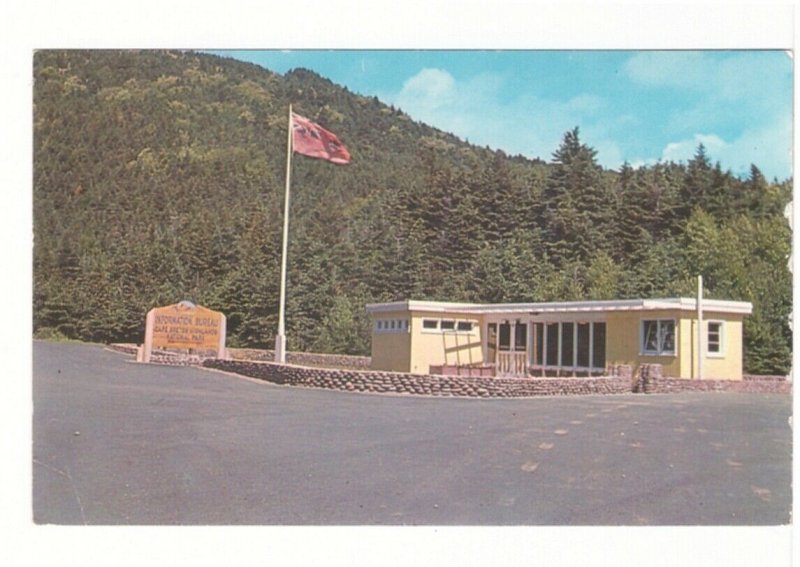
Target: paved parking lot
[(115, 442)]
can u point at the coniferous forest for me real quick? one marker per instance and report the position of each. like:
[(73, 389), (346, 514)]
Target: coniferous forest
[(159, 176)]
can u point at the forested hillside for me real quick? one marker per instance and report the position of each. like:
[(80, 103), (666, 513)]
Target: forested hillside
[(159, 176)]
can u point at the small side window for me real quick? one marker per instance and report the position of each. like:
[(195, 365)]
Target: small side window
[(465, 326), (430, 324), (448, 325), (714, 337)]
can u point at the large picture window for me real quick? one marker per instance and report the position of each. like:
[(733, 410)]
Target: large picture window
[(567, 344), (570, 344), (658, 336), (599, 346), (584, 332), (552, 344)]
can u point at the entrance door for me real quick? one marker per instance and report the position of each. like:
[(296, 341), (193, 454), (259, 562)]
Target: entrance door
[(512, 349)]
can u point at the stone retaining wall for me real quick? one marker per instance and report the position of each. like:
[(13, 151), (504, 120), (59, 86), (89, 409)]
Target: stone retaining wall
[(158, 356), (341, 361), (651, 381), (124, 348), (648, 380), (763, 378), (304, 358), (421, 384)]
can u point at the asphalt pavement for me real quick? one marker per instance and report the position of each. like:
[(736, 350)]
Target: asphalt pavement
[(115, 442)]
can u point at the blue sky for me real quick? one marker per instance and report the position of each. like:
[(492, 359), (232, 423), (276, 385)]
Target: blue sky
[(634, 106)]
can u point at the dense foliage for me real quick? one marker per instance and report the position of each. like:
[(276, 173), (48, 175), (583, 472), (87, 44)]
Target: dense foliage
[(158, 177)]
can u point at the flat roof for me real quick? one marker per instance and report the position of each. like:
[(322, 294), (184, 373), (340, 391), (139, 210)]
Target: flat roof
[(675, 303)]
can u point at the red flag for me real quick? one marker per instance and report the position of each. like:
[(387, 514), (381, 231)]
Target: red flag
[(314, 141)]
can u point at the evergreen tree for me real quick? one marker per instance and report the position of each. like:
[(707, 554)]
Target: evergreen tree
[(578, 208), (697, 184)]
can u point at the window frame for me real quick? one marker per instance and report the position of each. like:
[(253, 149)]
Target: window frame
[(556, 345), (462, 323), (721, 340), (644, 351), (450, 326), (389, 326)]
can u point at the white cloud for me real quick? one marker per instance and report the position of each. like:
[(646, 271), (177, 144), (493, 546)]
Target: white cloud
[(637, 163), (684, 150), (756, 146), (432, 96), (680, 69), (432, 87), (471, 109)]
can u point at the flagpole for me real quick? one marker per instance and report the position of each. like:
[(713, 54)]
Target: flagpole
[(280, 339), (700, 327)]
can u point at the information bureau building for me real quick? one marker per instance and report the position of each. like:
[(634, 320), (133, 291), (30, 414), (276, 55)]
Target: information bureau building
[(579, 338)]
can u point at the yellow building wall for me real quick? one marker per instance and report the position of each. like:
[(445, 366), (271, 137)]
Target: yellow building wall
[(623, 344), (727, 365), (391, 351), (449, 347), (623, 338)]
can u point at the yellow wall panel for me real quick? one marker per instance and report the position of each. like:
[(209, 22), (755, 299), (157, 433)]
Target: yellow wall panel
[(624, 344), (435, 347), (391, 351)]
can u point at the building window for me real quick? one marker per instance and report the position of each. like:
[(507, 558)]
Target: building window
[(448, 325), (491, 342), (464, 326), (714, 344), (391, 325), (599, 345), (552, 344), (538, 333), (567, 343), (658, 336), (505, 337), (584, 346), (520, 337)]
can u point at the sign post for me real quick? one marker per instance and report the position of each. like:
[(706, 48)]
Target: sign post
[(184, 326)]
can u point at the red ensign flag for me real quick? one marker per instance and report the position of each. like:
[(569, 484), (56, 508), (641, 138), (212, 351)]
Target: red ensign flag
[(314, 141)]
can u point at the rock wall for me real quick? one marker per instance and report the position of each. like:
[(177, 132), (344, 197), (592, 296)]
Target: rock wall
[(304, 358), (298, 358), (336, 372), (652, 381), (421, 384)]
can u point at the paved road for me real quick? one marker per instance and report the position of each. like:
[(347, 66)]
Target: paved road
[(115, 442)]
